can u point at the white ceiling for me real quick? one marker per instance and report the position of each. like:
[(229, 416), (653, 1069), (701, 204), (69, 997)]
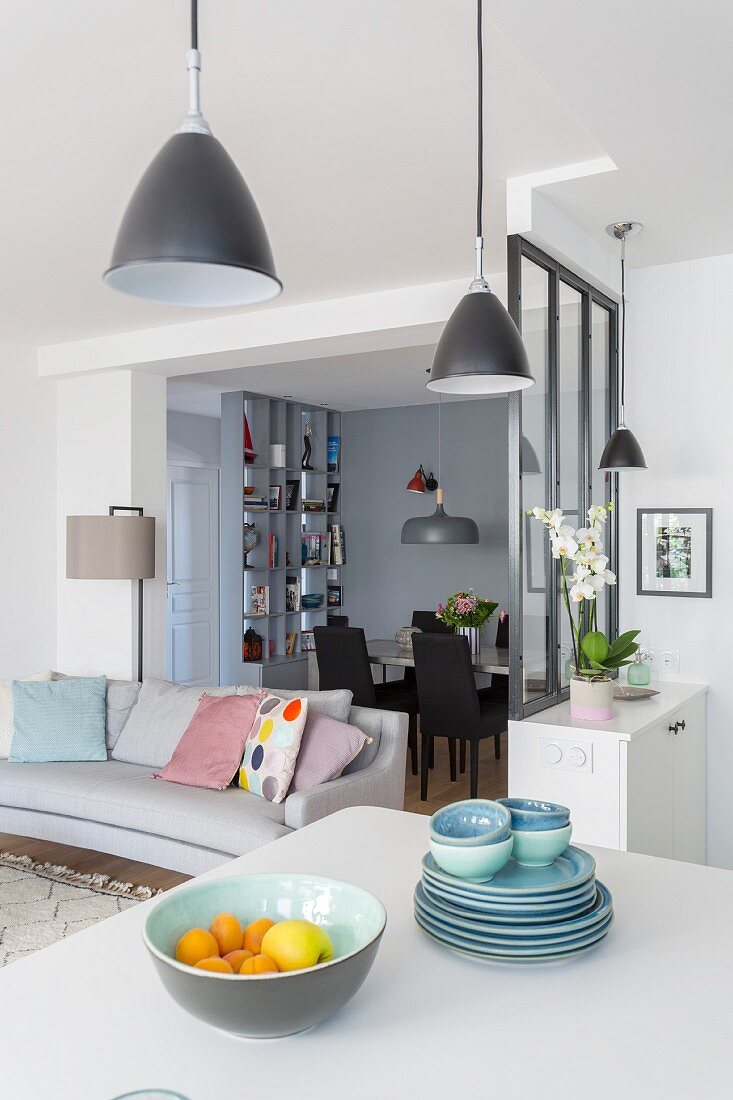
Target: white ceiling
[(352, 123), (653, 81)]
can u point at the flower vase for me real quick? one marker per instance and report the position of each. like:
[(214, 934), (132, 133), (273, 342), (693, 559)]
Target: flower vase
[(591, 700), (473, 633)]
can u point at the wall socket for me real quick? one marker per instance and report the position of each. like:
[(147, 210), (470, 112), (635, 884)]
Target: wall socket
[(662, 660)]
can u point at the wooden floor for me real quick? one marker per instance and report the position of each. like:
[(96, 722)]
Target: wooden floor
[(492, 779), (492, 784)]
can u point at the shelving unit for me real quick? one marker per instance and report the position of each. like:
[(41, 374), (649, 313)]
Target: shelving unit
[(271, 421)]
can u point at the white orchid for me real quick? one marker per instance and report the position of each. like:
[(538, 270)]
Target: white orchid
[(582, 591), (564, 545), (589, 537)]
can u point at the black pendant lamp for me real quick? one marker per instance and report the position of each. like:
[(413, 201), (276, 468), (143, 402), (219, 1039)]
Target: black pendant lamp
[(440, 529), (622, 452), (192, 234), (480, 350)]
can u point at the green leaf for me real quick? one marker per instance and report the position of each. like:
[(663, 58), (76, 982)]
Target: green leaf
[(622, 641), (594, 646)]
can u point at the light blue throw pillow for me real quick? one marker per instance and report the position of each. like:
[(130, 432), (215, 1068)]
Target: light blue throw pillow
[(66, 721)]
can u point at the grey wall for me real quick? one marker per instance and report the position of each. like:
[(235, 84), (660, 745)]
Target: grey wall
[(194, 439), (385, 581)]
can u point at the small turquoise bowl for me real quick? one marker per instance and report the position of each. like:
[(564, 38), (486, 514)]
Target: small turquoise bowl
[(530, 815), (471, 823), (540, 848), (267, 1006), (477, 864)]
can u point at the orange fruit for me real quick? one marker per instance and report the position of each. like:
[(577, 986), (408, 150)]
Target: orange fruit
[(254, 933), (258, 964), (221, 966), (236, 958), (196, 945), (227, 931)]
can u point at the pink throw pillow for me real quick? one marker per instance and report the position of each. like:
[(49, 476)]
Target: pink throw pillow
[(326, 748), (210, 750)]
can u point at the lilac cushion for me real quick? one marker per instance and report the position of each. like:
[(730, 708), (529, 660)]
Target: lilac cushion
[(212, 744), (326, 748)]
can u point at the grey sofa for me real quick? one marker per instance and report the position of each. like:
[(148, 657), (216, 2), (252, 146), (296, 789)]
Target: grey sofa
[(115, 807)]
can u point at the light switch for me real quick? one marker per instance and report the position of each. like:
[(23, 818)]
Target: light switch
[(571, 756)]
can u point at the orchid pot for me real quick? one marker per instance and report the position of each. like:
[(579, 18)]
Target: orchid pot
[(591, 700)]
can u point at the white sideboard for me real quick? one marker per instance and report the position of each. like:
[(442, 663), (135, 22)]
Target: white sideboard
[(635, 783)]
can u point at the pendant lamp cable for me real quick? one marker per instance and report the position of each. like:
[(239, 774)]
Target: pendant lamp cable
[(194, 25), (623, 328), (440, 406), (479, 283)]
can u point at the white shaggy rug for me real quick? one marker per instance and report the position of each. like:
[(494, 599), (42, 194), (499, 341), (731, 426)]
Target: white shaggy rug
[(41, 903)]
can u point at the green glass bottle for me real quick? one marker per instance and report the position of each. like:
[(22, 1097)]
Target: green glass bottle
[(638, 673)]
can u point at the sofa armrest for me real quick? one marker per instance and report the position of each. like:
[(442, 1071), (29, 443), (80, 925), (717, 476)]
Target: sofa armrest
[(382, 783)]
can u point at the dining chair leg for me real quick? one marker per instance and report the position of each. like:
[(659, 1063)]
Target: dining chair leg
[(452, 758), (463, 757), (474, 769), (432, 752), (497, 746), (412, 744), (425, 743)]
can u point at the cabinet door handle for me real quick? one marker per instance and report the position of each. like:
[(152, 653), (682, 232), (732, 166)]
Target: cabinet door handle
[(682, 724), (673, 729)]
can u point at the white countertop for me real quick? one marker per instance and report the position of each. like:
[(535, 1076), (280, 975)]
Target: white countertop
[(630, 718), (646, 1014)]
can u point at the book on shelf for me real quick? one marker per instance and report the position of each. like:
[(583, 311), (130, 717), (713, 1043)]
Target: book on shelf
[(307, 641), (292, 593), (335, 595), (314, 506), (260, 599), (314, 548), (332, 498), (273, 557), (338, 545), (292, 488), (333, 454), (255, 502)]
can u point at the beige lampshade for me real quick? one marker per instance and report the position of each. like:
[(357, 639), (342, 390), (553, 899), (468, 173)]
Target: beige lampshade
[(110, 548)]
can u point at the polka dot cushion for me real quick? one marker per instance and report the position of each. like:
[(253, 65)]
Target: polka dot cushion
[(272, 747)]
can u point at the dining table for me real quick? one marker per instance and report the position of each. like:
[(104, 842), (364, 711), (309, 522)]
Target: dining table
[(384, 652)]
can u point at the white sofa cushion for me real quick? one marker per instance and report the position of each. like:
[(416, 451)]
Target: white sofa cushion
[(336, 704), (120, 794), (158, 721), (121, 698)]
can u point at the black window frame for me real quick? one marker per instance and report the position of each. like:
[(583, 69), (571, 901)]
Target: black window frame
[(519, 248)]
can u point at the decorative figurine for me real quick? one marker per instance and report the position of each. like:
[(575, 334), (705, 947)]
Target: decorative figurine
[(251, 646), (250, 540), (308, 447)]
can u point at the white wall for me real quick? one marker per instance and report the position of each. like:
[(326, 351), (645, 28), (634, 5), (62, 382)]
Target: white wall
[(194, 440), (679, 402), (111, 450), (28, 511)]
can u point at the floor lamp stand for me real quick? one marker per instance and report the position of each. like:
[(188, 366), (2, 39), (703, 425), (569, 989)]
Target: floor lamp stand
[(113, 510)]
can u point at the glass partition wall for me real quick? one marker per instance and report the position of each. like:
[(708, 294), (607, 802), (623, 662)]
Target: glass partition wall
[(557, 431)]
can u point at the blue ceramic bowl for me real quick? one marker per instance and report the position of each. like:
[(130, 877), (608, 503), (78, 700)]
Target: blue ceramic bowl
[(532, 816), (473, 864), (540, 847), (470, 823), (267, 1006)]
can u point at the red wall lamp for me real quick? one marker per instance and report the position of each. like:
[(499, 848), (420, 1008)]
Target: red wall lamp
[(421, 481)]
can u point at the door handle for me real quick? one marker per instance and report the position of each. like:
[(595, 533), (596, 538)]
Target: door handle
[(673, 729), (682, 724), (171, 583)]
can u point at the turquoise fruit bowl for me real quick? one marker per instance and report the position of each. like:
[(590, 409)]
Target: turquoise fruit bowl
[(530, 815), (267, 1006), (540, 849), (473, 864), (470, 823)]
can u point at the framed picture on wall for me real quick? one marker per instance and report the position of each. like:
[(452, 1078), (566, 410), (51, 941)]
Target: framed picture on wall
[(674, 552)]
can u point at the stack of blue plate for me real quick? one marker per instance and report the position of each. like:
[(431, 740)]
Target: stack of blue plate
[(523, 914)]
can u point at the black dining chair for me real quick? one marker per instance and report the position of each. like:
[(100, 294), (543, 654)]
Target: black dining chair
[(450, 705), (498, 690), (343, 662)]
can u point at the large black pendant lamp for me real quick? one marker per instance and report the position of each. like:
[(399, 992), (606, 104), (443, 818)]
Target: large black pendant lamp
[(440, 528), (192, 234), (622, 452), (480, 350)]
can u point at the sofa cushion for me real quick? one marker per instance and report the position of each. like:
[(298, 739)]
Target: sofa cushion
[(369, 722), (272, 747), (59, 720), (336, 704), (326, 748), (210, 751), (231, 821), (121, 698), (6, 709), (158, 721)]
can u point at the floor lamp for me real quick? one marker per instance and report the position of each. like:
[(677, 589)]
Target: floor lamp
[(113, 548)]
